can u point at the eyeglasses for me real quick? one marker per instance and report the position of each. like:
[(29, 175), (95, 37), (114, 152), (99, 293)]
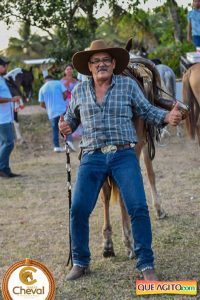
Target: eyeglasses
[(106, 60)]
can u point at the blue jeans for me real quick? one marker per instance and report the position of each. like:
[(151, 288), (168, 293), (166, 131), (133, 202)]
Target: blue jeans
[(6, 146), (94, 168), (196, 40), (55, 131)]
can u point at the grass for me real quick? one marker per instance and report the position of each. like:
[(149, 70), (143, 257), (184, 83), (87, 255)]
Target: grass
[(34, 219)]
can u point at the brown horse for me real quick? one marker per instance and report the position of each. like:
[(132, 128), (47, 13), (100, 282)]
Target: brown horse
[(109, 190), (191, 97), (147, 76)]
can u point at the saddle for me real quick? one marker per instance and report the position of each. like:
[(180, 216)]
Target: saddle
[(143, 71)]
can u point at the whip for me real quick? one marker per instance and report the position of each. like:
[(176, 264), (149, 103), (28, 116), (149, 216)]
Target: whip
[(69, 191)]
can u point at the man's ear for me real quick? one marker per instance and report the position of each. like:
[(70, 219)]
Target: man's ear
[(89, 67), (114, 63)]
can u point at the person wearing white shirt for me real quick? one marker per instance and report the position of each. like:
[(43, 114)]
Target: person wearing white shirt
[(6, 123)]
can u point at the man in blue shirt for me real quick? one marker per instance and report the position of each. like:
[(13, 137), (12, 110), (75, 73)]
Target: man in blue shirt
[(105, 105), (6, 123), (193, 30), (52, 96)]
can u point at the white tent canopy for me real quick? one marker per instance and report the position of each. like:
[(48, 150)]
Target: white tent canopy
[(39, 61), (44, 63)]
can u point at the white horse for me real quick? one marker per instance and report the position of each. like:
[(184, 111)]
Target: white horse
[(168, 85)]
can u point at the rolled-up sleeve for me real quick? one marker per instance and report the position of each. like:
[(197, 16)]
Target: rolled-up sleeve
[(144, 109)]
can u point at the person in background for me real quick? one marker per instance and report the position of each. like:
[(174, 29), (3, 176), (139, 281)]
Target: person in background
[(193, 29), (52, 97), (106, 105), (70, 82), (7, 136)]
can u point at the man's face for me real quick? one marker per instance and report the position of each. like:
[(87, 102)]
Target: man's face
[(3, 69), (101, 65), (196, 4)]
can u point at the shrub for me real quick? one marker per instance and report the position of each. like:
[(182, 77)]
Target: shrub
[(170, 55)]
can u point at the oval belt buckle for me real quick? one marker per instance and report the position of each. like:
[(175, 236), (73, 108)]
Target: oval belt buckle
[(109, 148)]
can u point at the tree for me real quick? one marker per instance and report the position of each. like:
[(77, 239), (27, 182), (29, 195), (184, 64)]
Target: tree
[(27, 45), (174, 12), (59, 15)]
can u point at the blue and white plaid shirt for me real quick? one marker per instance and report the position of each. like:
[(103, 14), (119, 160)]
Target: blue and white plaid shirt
[(110, 123)]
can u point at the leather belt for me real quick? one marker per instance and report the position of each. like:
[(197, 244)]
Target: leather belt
[(114, 148)]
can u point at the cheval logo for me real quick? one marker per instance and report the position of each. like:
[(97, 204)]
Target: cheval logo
[(26, 276), (28, 279)]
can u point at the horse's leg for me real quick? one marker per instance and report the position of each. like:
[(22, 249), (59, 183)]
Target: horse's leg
[(16, 126), (198, 129), (196, 92), (160, 213), (179, 130), (126, 230), (105, 193)]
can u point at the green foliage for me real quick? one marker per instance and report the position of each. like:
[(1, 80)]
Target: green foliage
[(170, 55), (139, 26), (28, 45), (70, 26), (163, 25)]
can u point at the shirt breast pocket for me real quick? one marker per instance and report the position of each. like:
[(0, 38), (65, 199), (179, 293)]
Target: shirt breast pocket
[(89, 112), (121, 106)]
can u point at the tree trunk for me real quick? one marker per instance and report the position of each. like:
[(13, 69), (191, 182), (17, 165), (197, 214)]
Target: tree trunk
[(173, 9)]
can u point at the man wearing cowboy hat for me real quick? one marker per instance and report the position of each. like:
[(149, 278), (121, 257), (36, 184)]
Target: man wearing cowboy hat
[(6, 123), (105, 105)]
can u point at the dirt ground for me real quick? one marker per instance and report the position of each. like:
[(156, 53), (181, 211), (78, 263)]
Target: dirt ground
[(34, 217)]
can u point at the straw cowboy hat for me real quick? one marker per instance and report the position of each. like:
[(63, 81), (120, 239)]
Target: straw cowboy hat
[(80, 59)]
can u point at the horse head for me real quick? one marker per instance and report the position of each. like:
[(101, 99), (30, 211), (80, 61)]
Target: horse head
[(19, 77), (25, 79)]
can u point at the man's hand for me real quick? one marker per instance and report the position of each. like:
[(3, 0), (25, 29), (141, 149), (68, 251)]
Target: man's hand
[(64, 126), (174, 117), (15, 99)]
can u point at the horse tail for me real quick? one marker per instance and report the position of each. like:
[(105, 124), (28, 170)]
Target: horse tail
[(115, 194), (189, 99)]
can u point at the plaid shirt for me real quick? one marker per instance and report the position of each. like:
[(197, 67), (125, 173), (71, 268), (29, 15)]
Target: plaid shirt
[(110, 123)]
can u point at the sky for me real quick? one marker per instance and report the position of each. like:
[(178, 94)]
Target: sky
[(6, 33)]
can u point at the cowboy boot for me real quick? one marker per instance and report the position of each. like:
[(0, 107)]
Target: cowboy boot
[(77, 272), (149, 274)]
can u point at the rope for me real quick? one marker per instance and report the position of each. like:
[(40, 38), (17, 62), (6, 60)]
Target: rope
[(183, 108)]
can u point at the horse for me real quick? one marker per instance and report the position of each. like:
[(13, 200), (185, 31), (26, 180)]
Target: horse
[(16, 79), (148, 78), (168, 83), (168, 86), (109, 189), (191, 97)]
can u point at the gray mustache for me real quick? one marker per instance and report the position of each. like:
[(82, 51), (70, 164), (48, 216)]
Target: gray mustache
[(102, 69)]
